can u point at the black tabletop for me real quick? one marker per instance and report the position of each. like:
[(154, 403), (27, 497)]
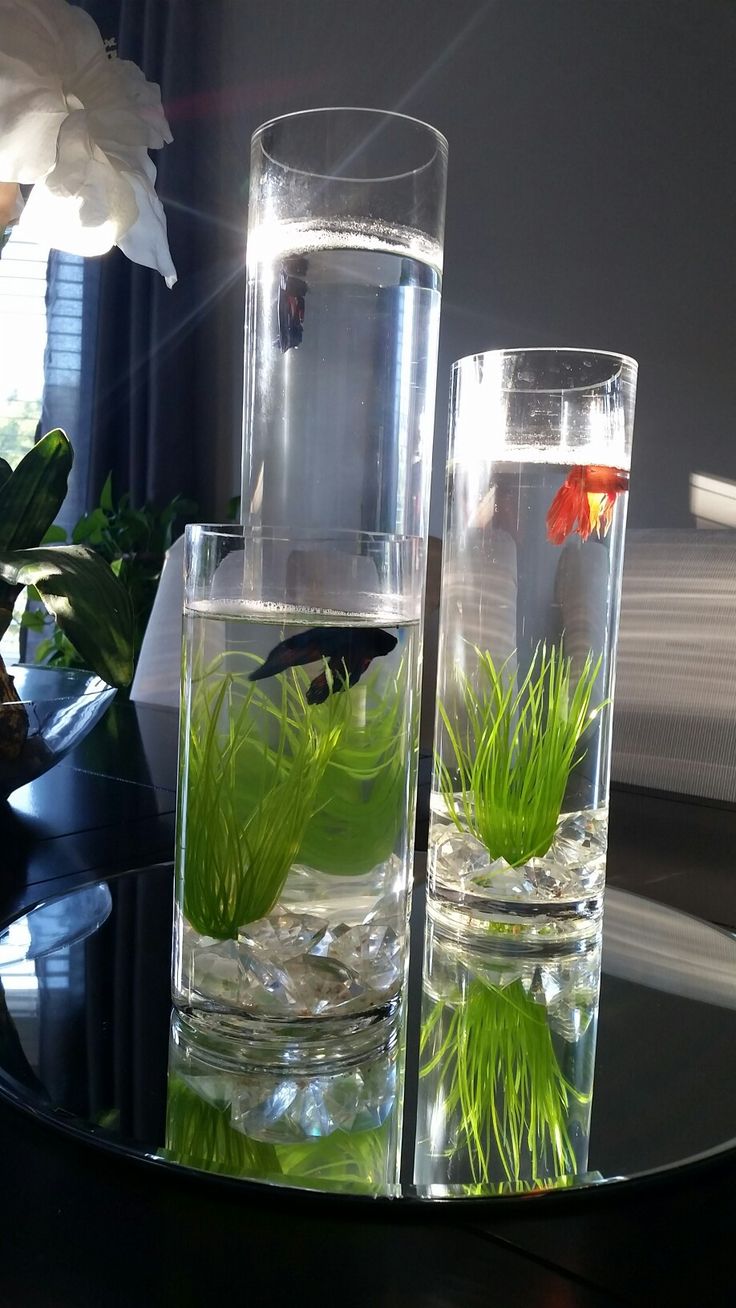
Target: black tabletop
[(83, 1227)]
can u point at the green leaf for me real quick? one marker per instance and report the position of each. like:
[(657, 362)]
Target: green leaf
[(106, 495), (88, 602), (32, 496), (5, 471), (90, 525), (54, 536), (33, 620)]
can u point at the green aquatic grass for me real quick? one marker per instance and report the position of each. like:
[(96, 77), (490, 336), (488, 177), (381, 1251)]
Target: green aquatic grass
[(358, 1162), (513, 759), (361, 797), (500, 1075), (199, 1134), (249, 798)]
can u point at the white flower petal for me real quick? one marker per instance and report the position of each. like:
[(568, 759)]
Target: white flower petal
[(124, 108), (147, 242), (79, 125), (29, 128), (85, 204), (43, 44), (54, 219), (83, 170)]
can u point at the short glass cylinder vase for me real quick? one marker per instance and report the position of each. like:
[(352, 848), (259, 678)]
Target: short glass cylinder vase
[(344, 269), (536, 495), (297, 787)]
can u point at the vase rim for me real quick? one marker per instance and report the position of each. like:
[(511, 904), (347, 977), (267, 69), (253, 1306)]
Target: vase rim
[(624, 361), (440, 141)]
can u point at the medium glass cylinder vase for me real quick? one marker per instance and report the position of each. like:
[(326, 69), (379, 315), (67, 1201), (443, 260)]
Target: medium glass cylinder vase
[(344, 265), (297, 776), (537, 487)]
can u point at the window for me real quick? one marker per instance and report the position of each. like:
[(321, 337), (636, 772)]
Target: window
[(22, 344)]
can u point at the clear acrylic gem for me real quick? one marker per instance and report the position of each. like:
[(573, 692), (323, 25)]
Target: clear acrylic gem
[(305, 987), (282, 935), (215, 1089), (215, 971), (385, 909), (296, 1108), (545, 985), (325, 945), (372, 950), (320, 985)]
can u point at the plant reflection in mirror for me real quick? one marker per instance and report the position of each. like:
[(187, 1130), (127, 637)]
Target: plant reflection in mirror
[(514, 757), (325, 1127), (499, 1080), (201, 1134)]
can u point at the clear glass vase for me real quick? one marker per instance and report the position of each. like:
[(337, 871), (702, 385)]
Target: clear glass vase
[(297, 787), (344, 264), (537, 487)]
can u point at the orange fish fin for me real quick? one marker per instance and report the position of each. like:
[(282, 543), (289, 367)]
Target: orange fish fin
[(600, 480), (569, 506)]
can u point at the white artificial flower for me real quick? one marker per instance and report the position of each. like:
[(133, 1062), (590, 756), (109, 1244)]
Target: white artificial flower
[(78, 126)]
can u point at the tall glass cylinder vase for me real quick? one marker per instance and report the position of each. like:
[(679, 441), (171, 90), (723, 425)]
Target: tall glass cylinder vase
[(344, 262), (537, 487), (297, 777)]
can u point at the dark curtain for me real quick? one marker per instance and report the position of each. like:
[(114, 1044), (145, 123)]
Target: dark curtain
[(72, 306), (166, 365)]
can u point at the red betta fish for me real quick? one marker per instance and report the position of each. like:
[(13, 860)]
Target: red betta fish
[(584, 502), (349, 652), (292, 290)]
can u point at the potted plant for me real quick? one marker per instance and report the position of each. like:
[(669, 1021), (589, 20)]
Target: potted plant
[(79, 588)]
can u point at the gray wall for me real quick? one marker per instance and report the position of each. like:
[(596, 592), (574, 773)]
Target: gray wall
[(592, 185)]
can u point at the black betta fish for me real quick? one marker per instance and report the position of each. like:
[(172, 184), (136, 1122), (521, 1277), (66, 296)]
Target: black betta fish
[(292, 290), (349, 652)]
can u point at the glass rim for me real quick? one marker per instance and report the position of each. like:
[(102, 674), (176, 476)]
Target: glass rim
[(623, 360), (295, 534), (440, 141)]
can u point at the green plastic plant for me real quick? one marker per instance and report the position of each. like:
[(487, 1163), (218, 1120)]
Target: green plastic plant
[(248, 801), (361, 797), (514, 758), (500, 1075), (134, 543)]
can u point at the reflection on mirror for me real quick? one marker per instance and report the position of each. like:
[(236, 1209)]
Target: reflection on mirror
[(499, 1059), (507, 1051), (321, 1128), (66, 920)]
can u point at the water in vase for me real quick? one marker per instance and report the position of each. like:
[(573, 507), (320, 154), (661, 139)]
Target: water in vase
[(297, 776), (342, 325), (531, 589)]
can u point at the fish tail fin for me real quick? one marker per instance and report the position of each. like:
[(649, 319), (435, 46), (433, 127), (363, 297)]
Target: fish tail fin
[(568, 508), (259, 673), (289, 653), (318, 690)]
